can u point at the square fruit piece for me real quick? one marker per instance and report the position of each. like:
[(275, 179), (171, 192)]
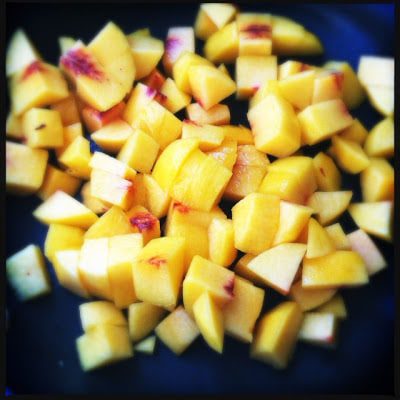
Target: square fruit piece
[(62, 237), (123, 250), (171, 160), (25, 168), (241, 313), (93, 267), (203, 175), (256, 212), (43, 128), (76, 157), (65, 264), (139, 151), (104, 344), (37, 85), (143, 318), (212, 17), (177, 331), (279, 137), (277, 267), (210, 321), (318, 328), (158, 271), (100, 312), (147, 52), (248, 172), (70, 133), (291, 178), (337, 269), (209, 85), (112, 137), (223, 45), (276, 335), (202, 276), (27, 273), (61, 208), (322, 120), (54, 180)]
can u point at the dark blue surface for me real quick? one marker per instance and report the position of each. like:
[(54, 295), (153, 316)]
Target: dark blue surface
[(41, 356)]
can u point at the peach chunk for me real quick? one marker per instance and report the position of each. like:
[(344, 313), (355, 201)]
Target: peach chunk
[(210, 321), (212, 17), (100, 313), (247, 173), (322, 120), (93, 267), (223, 46), (276, 334), (61, 208), (279, 137), (25, 168), (361, 243), (241, 313), (27, 274), (43, 128), (142, 319), (337, 269), (54, 180), (200, 182), (255, 213), (65, 264), (278, 266), (158, 271), (104, 344), (177, 331), (62, 237), (205, 276), (123, 250), (37, 85), (309, 299), (375, 218), (222, 249), (377, 181)]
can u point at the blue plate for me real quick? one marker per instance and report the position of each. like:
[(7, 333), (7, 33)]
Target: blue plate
[(41, 355)]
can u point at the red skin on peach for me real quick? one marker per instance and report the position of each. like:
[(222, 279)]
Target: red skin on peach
[(339, 78), (79, 62), (173, 48), (96, 119), (157, 261), (143, 221), (229, 286), (191, 122), (155, 80), (257, 31), (32, 68), (182, 208)]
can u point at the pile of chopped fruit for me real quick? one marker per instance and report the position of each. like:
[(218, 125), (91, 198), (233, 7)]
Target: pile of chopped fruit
[(200, 272)]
